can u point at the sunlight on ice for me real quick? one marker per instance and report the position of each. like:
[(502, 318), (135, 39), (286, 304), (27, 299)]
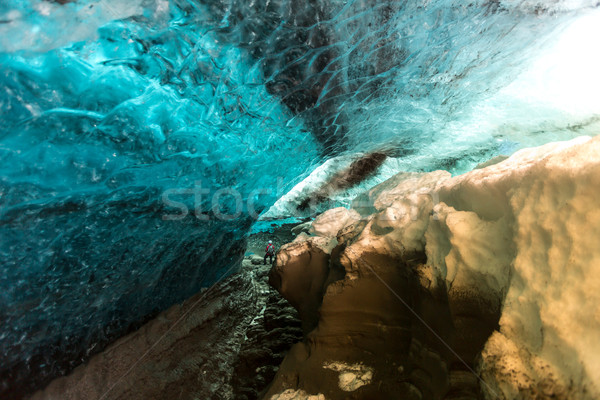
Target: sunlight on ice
[(566, 77)]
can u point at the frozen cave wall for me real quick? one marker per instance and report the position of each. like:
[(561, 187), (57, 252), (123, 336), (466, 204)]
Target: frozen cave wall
[(104, 144), (429, 282), (118, 115)]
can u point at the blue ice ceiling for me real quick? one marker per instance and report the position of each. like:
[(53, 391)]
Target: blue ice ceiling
[(114, 113)]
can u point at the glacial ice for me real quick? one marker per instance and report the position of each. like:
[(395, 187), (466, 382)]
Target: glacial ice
[(93, 137), (116, 114)]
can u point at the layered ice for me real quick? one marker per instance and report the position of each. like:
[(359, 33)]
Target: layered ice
[(115, 153), (140, 139)]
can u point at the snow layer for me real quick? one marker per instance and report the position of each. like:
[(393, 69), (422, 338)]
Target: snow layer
[(520, 236), (528, 228)]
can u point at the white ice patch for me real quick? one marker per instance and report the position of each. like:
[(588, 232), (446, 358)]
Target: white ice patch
[(287, 205), (352, 376), (330, 222), (291, 394), (42, 26)]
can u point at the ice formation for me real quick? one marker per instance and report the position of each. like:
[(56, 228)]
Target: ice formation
[(433, 280), (139, 139)]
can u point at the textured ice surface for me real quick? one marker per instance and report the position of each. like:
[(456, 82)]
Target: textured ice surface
[(93, 136), (108, 106)]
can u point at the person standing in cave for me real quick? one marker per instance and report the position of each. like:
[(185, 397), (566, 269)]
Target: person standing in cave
[(269, 252)]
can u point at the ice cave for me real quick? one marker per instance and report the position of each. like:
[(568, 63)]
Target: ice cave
[(299, 199)]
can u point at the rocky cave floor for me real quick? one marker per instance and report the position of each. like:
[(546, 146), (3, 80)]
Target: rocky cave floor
[(226, 342)]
